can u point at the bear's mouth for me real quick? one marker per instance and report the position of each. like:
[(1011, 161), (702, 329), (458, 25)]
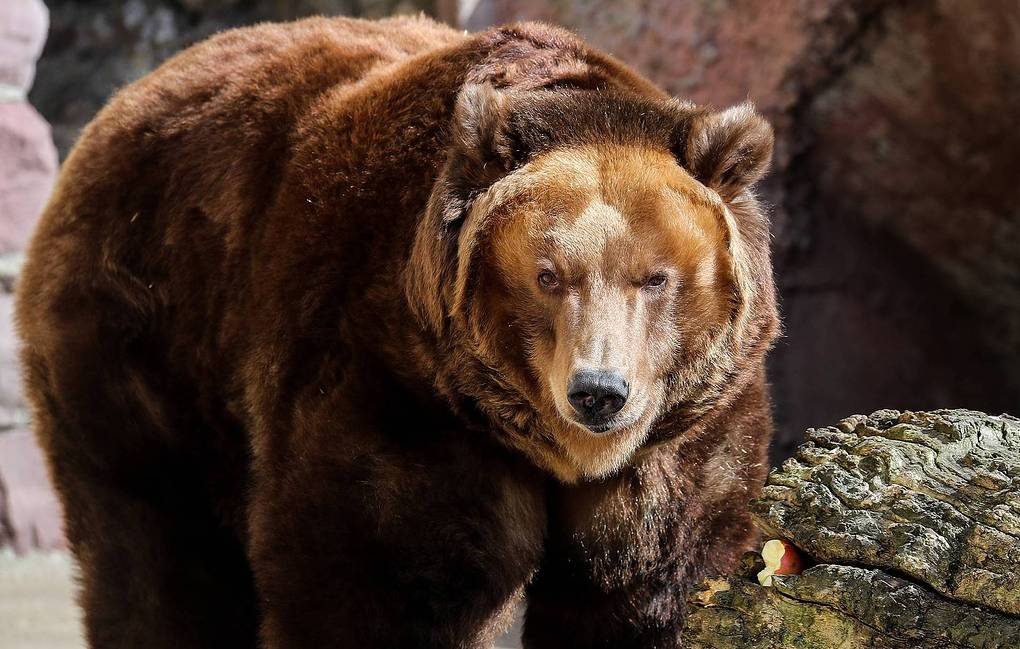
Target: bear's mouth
[(598, 429), (608, 425)]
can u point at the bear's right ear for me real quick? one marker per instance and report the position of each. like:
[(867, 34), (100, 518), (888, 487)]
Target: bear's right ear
[(483, 149), (482, 137)]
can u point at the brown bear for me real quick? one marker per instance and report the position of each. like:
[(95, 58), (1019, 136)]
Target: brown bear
[(355, 334)]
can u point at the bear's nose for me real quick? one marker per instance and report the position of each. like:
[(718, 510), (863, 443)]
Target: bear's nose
[(597, 395)]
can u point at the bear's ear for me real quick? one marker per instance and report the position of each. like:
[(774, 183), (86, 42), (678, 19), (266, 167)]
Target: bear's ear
[(482, 131), (481, 152), (727, 151)]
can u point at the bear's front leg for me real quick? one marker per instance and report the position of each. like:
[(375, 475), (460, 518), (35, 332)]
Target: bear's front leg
[(375, 542), (622, 554)]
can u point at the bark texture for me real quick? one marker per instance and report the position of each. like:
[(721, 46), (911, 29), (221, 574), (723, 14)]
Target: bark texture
[(915, 518)]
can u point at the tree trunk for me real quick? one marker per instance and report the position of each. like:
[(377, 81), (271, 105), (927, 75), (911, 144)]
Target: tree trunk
[(915, 520)]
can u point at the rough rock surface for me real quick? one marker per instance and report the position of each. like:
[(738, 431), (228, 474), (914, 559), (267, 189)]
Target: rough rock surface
[(30, 515), (915, 518), (28, 166), (839, 607), (934, 496)]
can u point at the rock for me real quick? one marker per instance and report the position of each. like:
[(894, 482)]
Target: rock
[(28, 166), (30, 513), (28, 161), (925, 124), (12, 405), (915, 518), (934, 496), (835, 606), (23, 25)]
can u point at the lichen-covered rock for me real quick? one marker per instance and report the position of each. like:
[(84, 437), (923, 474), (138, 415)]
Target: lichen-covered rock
[(915, 518), (935, 496), (839, 607)]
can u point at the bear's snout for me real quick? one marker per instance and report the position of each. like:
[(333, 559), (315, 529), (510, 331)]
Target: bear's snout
[(597, 395)]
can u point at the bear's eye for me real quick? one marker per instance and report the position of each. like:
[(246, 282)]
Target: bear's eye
[(548, 279), (656, 280)]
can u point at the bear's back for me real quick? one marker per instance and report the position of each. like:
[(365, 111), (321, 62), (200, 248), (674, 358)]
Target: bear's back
[(156, 207), (225, 103), (222, 218)]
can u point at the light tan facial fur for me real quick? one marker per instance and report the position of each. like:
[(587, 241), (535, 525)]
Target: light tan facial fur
[(603, 221)]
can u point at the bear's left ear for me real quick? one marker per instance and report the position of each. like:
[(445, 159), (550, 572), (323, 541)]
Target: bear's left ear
[(727, 151)]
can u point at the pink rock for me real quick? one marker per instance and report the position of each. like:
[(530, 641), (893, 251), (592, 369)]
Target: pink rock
[(23, 25), (28, 165), (12, 407), (29, 506)]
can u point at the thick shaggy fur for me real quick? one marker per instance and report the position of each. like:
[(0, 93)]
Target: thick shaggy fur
[(258, 324)]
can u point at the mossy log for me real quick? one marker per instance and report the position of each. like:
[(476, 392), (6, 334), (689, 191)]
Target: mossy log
[(914, 519)]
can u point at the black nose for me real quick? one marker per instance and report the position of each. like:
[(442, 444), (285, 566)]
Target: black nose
[(597, 395)]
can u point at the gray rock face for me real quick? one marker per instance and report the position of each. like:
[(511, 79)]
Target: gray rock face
[(915, 518), (934, 496)]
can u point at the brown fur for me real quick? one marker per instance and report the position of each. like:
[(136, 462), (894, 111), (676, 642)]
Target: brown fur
[(294, 377)]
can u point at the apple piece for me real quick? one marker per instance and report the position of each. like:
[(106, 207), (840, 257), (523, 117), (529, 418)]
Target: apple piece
[(781, 558)]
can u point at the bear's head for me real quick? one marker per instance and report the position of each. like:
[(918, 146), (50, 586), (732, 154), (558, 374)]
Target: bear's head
[(594, 269)]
